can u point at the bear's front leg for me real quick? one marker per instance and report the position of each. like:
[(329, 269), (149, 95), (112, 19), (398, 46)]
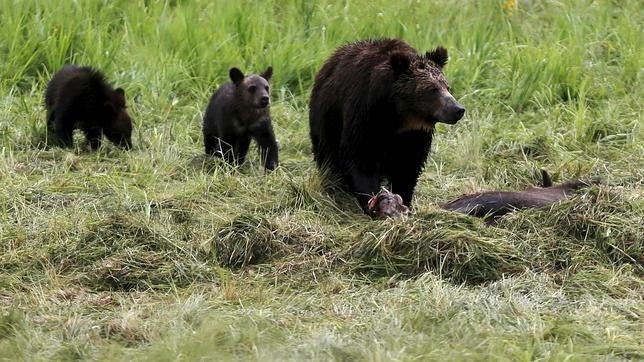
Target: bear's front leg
[(267, 143), (364, 186), (93, 137), (363, 176), (405, 161), (379, 205)]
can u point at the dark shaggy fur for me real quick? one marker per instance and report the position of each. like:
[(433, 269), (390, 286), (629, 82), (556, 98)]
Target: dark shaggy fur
[(238, 112), (372, 112), (80, 97), (494, 204)]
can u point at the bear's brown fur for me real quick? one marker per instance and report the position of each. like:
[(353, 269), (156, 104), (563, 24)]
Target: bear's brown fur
[(238, 112), (80, 97), (372, 112)]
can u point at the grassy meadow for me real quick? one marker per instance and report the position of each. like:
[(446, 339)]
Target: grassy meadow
[(161, 253)]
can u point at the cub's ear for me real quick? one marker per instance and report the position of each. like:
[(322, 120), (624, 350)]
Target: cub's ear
[(236, 75), (438, 56), (399, 62), (268, 73), (119, 94)]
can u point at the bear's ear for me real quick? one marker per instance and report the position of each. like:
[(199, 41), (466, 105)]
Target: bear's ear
[(268, 73), (399, 62), (438, 56), (236, 75), (119, 94)]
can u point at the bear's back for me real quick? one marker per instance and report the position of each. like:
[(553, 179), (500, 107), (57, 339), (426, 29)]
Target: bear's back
[(77, 82)]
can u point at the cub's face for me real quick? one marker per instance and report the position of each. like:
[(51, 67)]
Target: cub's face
[(253, 91), (119, 126), (421, 90)]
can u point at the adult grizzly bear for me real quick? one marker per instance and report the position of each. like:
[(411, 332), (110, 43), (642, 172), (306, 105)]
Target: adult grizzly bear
[(80, 97), (372, 113)]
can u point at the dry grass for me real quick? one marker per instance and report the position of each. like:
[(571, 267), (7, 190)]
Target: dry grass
[(162, 253)]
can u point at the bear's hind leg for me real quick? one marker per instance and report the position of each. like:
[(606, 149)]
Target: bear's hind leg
[(51, 129), (211, 145), (63, 131), (226, 150), (240, 150)]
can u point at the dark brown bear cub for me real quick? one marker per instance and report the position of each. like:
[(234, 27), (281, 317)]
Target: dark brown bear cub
[(238, 112), (372, 113), (80, 97)]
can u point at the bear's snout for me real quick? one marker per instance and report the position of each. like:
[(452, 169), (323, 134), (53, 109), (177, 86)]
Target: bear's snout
[(263, 102), (452, 111), (459, 111), (454, 114)]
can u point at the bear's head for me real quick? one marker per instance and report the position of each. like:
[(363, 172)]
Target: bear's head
[(118, 126), (252, 91), (421, 91)]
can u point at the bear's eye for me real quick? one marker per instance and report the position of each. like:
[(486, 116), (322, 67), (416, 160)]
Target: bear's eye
[(252, 89), (433, 90)]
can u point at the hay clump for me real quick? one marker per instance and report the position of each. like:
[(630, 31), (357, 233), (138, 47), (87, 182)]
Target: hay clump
[(122, 253), (250, 239), (600, 226), (453, 246), (247, 239)]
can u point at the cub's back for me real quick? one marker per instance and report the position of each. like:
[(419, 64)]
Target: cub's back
[(73, 81)]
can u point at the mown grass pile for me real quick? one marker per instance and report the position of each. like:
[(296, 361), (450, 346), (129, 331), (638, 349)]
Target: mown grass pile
[(600, 226), (463, 251), (162, 253)]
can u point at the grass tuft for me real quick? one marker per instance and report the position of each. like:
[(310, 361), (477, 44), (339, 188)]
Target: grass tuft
[(162, 253), (11, 322), (246, 240), (453, 247), (121, 253), (597, 226)]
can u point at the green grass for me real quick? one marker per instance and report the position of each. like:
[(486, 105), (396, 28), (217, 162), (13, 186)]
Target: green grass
[(164, 254)]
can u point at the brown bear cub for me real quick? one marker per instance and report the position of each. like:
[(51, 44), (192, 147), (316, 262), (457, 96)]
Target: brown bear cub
[(80, 98), (372, 113), (238, 112)]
